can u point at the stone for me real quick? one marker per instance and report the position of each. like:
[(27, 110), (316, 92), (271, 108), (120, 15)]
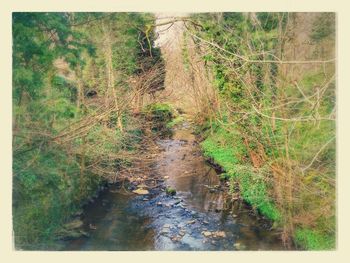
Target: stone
[(159, 204), (219, 234), (145, 199), (191, 222), (237, 245), (182, 232), (74, 224), (165, 231), (176, 238), (78, 213), (206, 233), (167, 226), (72, 234), (177, 202), (170, 191), (141, 191), (166, 177)]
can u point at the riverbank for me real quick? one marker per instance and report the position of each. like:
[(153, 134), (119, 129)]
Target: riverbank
[(200, 215)]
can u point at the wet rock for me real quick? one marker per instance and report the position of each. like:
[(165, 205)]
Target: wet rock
[(78, 213), (205, 222), (239, 246), (177, 202), (65, 234), (74, 224), (206, 233), (191, 222), (93, 227), (182, 232), (176, 238), (164, 231), (141, 191), (170, 191), (219, 234)]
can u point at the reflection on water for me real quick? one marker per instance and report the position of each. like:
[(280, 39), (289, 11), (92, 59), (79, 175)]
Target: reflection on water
[(201, 216)]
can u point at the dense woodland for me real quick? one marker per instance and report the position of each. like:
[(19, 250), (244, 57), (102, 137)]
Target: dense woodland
[(85, 90)]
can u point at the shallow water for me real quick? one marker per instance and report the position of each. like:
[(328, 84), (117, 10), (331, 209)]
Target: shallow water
[(201, 216)]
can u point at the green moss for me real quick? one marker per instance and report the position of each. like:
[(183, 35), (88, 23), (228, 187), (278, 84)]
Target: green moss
[(158, 112), (170, 191), (175, 121), (254, 190), (225, 149), (313, 240)]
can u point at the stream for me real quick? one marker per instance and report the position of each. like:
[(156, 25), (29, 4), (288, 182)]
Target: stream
[(200, 216)]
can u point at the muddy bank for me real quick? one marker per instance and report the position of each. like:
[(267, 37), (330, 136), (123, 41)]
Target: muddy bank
[(200, 216)]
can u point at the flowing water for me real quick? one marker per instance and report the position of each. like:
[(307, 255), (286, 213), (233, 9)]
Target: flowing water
[(201, 216)]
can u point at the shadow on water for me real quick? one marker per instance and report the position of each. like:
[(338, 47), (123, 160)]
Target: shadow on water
[(201, 216)]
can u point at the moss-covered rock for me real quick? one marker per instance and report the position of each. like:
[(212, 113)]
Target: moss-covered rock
[(170, 191)]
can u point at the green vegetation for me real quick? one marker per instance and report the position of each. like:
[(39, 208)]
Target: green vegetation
[(263, 91), (312, 240), (252, 186), (158, 114), (175, 121), (71, 130), (170, 191), (271, 126)]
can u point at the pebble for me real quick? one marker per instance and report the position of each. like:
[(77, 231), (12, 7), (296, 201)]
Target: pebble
[(206, 233), (141, 191), (182, 232), (165, 231), (191, 222), (176, 238), (237, 245), (219, 234), (159, 204)]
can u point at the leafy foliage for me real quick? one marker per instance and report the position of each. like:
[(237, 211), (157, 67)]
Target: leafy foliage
[(58, 59), (273, 129)]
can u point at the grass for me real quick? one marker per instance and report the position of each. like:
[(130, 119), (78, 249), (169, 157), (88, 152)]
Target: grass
[(225, 150), (176, 121), (314, 240)]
